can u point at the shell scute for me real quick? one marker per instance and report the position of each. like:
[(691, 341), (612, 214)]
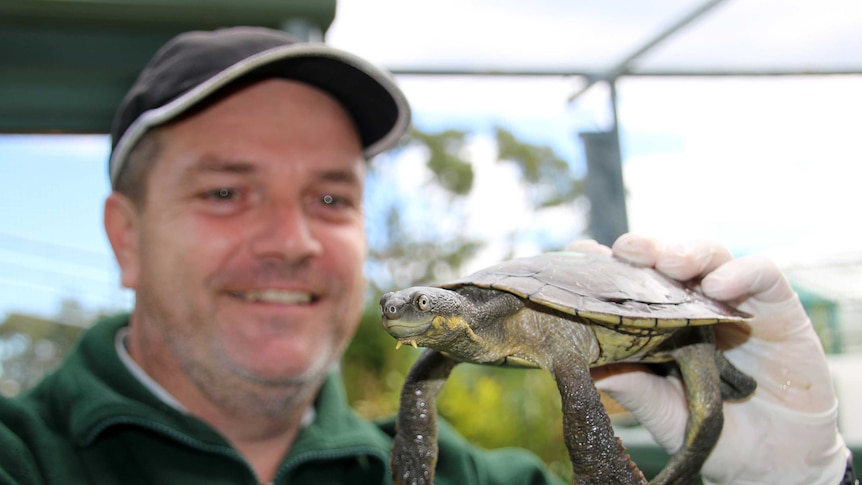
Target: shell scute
[(604, 289)]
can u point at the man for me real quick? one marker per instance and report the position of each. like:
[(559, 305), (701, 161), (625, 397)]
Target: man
[(238, 167), (238, 171)]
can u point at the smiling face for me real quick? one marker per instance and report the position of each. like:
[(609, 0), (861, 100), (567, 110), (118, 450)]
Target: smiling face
[(246, 256)]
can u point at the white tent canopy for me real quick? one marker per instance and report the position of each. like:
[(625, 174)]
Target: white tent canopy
[(579, 36)]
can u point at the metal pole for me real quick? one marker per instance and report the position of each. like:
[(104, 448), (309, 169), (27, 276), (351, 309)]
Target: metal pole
[(622, 67)]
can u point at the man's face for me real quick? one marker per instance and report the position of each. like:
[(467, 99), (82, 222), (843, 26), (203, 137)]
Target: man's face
[(250, 244)]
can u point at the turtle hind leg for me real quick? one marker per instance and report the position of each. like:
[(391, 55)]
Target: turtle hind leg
[(735, 384), (700, 373), (414, 448)]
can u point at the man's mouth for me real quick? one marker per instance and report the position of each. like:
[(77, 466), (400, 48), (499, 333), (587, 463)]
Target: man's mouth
[(282, 297)]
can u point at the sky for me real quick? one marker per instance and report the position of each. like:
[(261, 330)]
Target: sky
[(588, 34), (766, 164), (761, 164)]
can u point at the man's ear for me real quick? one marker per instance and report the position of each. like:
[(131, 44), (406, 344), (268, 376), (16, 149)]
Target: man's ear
[(122, 225)]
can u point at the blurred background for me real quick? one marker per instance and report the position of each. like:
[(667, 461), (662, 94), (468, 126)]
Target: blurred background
[(535, 123)]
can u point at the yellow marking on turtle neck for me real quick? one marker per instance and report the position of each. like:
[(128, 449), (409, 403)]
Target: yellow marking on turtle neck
[(448, 323)]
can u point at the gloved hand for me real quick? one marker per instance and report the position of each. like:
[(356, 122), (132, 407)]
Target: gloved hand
[(786, 432)]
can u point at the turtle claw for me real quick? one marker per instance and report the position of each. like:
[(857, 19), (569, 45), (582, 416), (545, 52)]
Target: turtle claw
[(412, 342)]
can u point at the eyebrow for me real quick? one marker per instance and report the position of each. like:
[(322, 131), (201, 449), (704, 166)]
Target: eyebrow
[(214, 164), (338, 175), (221, 165)]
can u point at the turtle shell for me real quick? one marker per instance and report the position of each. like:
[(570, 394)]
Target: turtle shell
[(603, 289)]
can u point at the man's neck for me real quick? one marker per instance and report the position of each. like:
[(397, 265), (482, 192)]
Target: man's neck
[(262, 436)]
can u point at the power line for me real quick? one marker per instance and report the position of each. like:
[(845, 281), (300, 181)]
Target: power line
[(50, 273), (46, 249)]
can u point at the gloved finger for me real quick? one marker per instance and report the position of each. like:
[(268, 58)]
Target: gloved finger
[(779, 348), (658, 403), (636, 249), (787, 363), (681, 261), (756, 285), (749, 276), (588, 246), (691, 259)]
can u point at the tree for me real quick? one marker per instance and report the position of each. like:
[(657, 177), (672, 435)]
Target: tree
[(417, 212), (30, 348)]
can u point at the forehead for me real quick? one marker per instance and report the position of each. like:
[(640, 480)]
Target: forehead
[(275, 124), (273, 105), (216, 165)]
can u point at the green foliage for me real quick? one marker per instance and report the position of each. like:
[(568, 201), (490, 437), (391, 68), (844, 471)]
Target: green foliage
[(498, 407), (410, 248), (416, 262), (445, 160), (373, 371), (548, 176), (490, 406), (416, 220), (31, 347)]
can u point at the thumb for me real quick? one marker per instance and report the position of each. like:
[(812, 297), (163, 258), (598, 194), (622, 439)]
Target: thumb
[(658, 403)]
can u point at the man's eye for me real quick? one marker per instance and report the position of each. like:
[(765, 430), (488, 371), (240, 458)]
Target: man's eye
[(226, 200), (222, 193), (332, 200)]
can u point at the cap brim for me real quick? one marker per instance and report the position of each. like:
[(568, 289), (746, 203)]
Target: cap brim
[(369, 94)]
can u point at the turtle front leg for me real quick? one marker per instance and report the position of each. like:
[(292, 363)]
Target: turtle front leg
[(697, 364), (414, 448), (598, 457)]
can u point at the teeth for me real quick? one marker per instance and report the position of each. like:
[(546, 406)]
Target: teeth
[(277, 296)]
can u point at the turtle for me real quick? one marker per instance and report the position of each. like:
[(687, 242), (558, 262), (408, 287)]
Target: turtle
[(565, 312)]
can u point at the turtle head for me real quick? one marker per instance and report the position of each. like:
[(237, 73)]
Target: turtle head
[(420, 315)]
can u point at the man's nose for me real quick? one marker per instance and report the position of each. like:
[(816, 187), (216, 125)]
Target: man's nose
[(285, 232)]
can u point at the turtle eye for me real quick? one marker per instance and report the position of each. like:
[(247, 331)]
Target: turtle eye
[(423, 303)]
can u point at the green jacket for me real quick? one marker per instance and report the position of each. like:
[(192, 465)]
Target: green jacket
[(92, 422)]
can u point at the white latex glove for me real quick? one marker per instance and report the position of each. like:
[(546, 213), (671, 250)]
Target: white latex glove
[(786, 432)]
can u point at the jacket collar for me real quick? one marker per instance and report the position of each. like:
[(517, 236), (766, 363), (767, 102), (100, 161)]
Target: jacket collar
[(100, 394)]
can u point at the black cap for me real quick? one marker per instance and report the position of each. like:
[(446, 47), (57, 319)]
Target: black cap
[(193, 66)]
